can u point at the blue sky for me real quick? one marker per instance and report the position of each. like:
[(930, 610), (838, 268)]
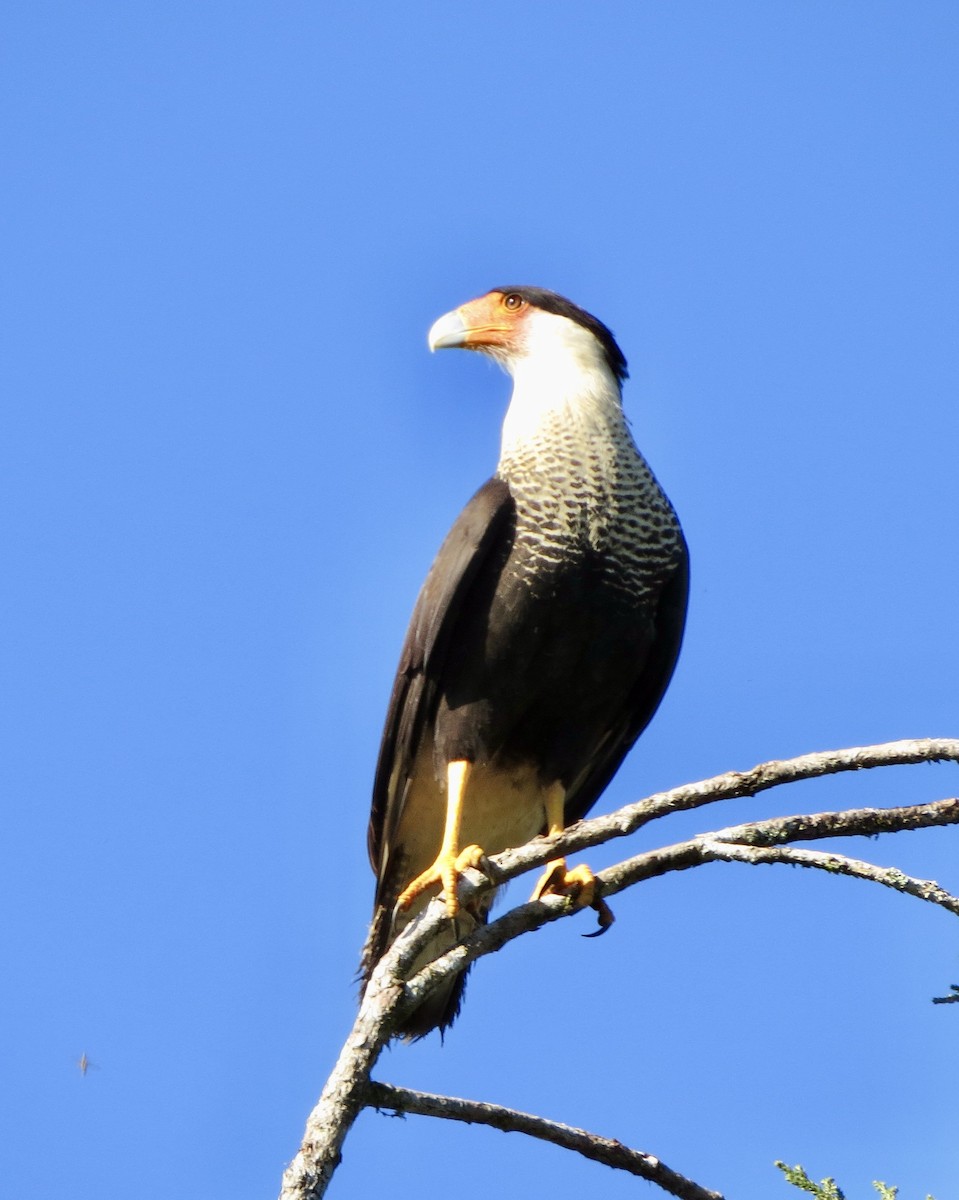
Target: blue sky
[(227, 461)]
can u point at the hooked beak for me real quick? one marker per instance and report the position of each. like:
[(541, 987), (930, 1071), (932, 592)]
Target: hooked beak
[(480, 324), (449, 331)]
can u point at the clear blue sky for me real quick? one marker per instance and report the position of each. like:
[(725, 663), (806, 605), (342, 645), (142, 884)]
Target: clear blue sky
[(227, 461)]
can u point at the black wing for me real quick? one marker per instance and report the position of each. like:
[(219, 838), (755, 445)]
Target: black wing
[(667, 636), (478, 530)]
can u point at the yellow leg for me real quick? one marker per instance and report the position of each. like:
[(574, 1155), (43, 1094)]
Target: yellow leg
[(580, 883), (451, 862)]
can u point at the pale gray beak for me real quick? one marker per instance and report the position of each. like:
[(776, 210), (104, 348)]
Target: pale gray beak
[(447, 332)]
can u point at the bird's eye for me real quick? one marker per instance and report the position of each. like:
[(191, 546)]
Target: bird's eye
[(513, 302)]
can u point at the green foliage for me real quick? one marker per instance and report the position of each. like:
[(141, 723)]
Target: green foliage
[(828, 1189)]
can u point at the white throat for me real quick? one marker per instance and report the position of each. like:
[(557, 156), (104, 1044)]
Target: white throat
[(561, 380)]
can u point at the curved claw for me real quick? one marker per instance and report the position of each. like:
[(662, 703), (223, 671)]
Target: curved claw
[(604, 917), (580, 885), (446, 871)]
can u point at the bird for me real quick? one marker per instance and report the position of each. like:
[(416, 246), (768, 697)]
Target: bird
[(542, 641)]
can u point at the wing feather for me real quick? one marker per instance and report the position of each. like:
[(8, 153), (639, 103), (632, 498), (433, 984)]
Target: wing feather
[(477, 531)]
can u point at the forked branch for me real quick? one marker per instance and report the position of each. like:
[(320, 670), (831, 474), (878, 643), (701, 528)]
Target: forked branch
[(389, 994)]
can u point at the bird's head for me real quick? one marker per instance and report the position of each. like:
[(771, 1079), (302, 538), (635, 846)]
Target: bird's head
[(530, 327)]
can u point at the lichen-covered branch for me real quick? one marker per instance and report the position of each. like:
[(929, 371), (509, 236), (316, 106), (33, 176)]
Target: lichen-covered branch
[(390, 993), (853, 822), (734, 784), (834, 864), (384, 1003), (608, 1151), (310, 1172), (697, 852), (778, 831)]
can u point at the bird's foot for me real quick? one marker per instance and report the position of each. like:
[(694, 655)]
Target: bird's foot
[(445, 871), (580, 885)]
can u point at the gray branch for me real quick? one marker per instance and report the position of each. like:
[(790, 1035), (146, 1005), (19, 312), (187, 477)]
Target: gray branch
[(731, 786), (834, 864), (389, 995), (696, 852), (603, 1150)]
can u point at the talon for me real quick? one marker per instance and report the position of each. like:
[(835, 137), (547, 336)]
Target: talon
[(552, 881), (580, 885), (446, 871), (604, 917)]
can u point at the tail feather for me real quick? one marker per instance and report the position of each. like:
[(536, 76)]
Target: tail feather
[(440, 1007)]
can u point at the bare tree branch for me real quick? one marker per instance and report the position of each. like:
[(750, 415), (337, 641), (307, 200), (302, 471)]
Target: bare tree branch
[(310, 1172), (857, 822), (682, 856), (732, 785), (389, 995), (385, 1001), (603, 1150), (835, 864)]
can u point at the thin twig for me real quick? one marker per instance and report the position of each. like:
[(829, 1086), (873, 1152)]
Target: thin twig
[(852, 822), (603, 1150), (834, 864)]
